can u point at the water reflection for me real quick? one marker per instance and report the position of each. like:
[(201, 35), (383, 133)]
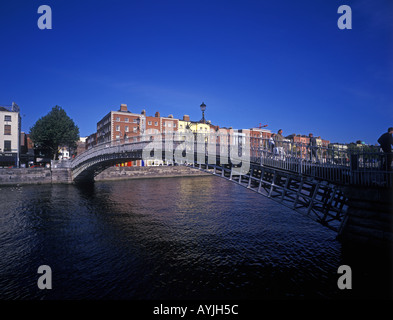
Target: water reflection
[(173, 238)]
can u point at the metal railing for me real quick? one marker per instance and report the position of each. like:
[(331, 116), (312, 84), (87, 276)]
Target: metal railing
[(351, 165)]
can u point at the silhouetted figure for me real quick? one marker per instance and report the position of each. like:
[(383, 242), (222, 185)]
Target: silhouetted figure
[(271, 143), (313, 147), (279, 140), (386, 142)]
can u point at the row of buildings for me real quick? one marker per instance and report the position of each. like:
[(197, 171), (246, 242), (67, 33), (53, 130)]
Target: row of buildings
[(16, 148), (126, 125), (123, 125)]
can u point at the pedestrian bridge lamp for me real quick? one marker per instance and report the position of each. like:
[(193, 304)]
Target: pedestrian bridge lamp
[(203, 108)]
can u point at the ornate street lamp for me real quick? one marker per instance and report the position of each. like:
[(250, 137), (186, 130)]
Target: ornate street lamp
[(203, 108)]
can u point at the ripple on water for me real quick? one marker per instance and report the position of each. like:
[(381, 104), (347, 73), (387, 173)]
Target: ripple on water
[(164, 238)]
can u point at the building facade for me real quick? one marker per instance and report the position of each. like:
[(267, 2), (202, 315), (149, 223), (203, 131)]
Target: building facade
[(301, 145), (10, 133), (121, 125), (26, 157), (91, 140)]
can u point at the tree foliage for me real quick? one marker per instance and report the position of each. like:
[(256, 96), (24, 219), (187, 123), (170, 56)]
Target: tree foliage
[(53, 131)]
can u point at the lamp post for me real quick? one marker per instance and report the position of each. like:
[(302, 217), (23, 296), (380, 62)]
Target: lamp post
[(203, 108)]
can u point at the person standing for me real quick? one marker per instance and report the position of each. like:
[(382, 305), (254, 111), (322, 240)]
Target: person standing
[(279, 140), (313, 147), (271, 143), (386, 142)]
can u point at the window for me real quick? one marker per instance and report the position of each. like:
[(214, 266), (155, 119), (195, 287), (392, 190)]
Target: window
[(7, 118), (169, 124), (134, 129), (149, 123), (117, 118), (117, 128), (164, 124), (174, 125), (126, 119), (134, 120), (7, 129), (181, 126), (7, 145), (126, 128), (156, 123)]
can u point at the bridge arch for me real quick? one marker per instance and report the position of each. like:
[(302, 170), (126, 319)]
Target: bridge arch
[(93, 161)]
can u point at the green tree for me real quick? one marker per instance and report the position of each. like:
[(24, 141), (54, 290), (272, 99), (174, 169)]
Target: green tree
[(53, 131)]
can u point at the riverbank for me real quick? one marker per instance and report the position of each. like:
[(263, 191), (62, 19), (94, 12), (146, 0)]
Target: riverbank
[(20, 176), (121, 173), (15, 176)]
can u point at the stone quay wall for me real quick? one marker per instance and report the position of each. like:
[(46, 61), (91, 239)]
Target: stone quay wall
[(15, 176), (19, 176), (118, 173)]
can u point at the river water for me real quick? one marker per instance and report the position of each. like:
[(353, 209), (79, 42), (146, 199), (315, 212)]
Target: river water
[(172, 238)]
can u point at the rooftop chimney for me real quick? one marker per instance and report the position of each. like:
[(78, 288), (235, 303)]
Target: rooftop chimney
[(157, 114), (123, 107), (186, 118)]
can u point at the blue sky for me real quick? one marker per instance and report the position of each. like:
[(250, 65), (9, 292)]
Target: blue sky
[(281, 63)]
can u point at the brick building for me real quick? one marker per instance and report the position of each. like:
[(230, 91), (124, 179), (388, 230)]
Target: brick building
[(120, 125), (26, 150), (302, 142), (125, 126)]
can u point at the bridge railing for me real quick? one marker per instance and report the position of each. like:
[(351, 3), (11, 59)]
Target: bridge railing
[(109, 147), (356, 166)]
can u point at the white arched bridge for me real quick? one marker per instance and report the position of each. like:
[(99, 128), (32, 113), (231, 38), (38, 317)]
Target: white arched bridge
[(310, 180)]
